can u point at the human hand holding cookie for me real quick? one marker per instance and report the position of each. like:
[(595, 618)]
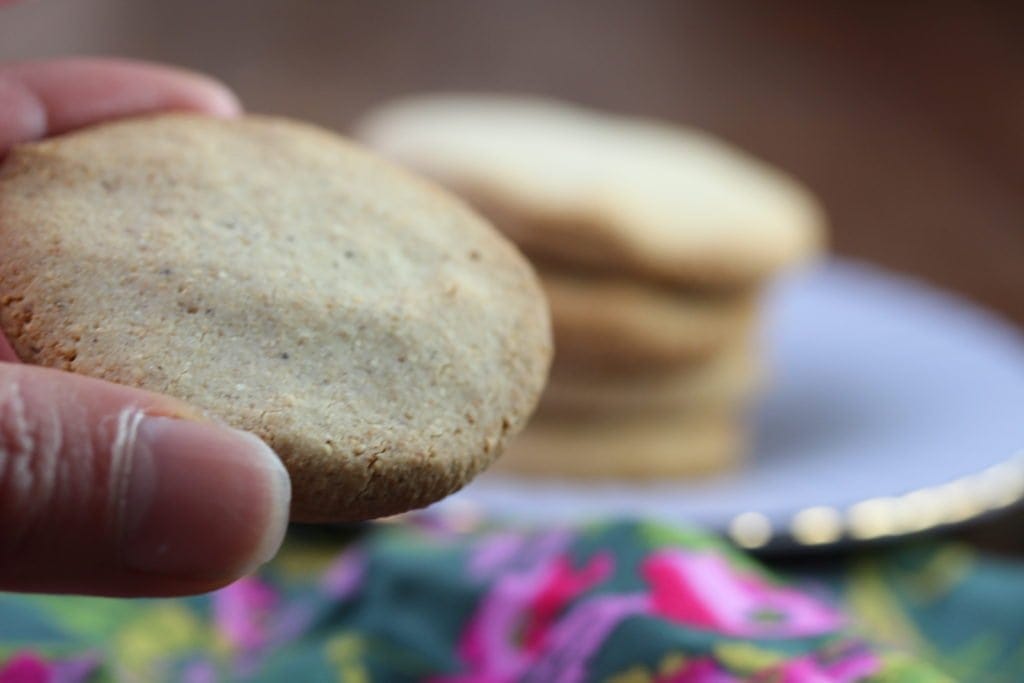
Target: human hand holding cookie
[(90, 500), (380, 337)]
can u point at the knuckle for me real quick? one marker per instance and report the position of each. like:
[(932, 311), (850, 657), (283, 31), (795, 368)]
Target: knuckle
[(121, 455), (17, 440), (30, 443)]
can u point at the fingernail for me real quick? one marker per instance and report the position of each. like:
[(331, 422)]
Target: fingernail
[(200, 500)]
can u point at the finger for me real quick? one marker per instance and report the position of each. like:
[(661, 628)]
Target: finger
[(109, 490), (7, 354), (50, 97), (46, 98)]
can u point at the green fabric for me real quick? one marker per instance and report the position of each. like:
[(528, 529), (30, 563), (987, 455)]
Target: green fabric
[(962, 611), (614, 603)]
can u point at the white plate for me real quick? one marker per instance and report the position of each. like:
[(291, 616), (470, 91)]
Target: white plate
[(893, 409)]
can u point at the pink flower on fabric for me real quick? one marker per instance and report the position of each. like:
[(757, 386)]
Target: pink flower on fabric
[(241, 613), (849, 669), (30, 667), (26, 667), (514, 619), (562, 586), (699, 671), (534, 625), (579, 635), (702, 590)]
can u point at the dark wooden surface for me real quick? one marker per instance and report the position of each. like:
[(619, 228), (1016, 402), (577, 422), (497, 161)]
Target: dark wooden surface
[(907, 118)]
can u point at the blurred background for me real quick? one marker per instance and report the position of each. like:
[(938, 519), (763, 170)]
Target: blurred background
[(906, 119)]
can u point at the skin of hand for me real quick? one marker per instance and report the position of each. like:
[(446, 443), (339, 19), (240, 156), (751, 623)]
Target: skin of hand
[(106, 489)]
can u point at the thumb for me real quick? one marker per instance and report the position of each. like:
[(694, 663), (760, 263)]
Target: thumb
[(109, 490)]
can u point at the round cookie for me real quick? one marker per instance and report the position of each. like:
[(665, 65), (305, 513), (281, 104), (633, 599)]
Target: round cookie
[(606, 191), (379, 335), (718, 383), (626, 448), (609, 325)]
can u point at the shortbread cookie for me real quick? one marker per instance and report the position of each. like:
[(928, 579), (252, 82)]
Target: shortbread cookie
[(721, 382), (609, 325), (606, 191), (649, 448), (380, 336)]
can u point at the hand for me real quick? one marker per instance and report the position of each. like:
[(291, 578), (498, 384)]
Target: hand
[(105, 489)]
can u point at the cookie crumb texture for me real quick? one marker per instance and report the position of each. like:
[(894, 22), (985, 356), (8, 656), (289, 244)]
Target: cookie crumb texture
[(383, 339)]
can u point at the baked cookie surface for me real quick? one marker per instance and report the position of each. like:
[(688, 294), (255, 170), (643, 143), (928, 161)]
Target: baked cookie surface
[(627, 447), (606, 191), (722, 382), (610, 325), (383, 339)]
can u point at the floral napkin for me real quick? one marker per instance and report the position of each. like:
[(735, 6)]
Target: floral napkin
[(623, 602)]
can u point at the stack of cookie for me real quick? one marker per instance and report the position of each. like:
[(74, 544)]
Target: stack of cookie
[(652, 243)]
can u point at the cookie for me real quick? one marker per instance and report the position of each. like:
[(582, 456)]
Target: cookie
[(604, 191), (611, 325), (721, 382), (641, 447), (380, 336)]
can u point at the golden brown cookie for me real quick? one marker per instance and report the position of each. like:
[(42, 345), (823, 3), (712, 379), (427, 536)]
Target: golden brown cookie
[(599, 190), (722, 382), (609, 325), (380, 336), (636, 447)]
